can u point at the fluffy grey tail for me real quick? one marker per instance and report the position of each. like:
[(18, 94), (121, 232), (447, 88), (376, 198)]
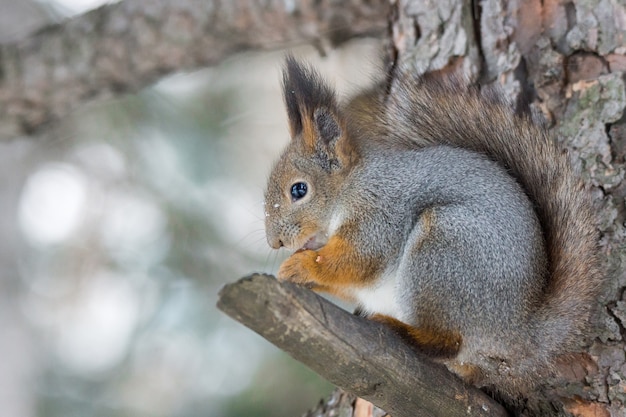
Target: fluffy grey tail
[(437, 110)]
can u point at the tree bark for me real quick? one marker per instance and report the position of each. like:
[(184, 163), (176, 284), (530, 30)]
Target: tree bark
[(123, 47), (358, 355)]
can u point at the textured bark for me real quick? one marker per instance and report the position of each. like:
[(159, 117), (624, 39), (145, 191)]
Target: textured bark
[(123, 47), (341, 403), (358, 355)]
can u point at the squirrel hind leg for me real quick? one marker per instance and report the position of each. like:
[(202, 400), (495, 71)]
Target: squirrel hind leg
[(435, 343), (471, 374), (444, 346)]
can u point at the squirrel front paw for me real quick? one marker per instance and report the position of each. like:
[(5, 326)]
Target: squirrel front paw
[(299, 267)]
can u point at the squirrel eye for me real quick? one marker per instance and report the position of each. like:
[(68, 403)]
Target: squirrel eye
[(298, 190)]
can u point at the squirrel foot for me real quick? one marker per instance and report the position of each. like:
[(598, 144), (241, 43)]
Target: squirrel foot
[(297, 268)]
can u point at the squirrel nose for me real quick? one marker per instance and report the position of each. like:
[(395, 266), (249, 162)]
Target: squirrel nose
[(274, 242)]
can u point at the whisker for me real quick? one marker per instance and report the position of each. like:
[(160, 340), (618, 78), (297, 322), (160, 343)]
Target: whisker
[(238, 243)]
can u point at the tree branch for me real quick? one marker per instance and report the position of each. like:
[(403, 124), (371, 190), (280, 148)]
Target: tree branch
[(358, 355), (123, 47)]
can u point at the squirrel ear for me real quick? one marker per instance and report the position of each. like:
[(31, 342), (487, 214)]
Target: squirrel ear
[(325, 137), (327, 126), (313, 113)]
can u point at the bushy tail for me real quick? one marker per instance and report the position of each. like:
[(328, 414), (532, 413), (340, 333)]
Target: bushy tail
[(445, 111)]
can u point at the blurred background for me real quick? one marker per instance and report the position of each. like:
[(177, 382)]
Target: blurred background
[(122, 224)]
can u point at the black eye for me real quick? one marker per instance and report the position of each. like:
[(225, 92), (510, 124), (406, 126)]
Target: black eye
[(298, 190)]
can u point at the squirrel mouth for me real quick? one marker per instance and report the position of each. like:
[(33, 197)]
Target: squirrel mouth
[(313, 243)]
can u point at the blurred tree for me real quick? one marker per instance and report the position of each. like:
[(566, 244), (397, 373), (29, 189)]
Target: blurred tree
[(122, 47), (19, 19), (110, 310)]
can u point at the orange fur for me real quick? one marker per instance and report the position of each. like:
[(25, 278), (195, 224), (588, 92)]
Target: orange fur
[(437, 343), (309, 135), (335, 268), (471, 374)]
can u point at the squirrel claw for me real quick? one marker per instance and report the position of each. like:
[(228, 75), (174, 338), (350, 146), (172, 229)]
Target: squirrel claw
[(295, 268)]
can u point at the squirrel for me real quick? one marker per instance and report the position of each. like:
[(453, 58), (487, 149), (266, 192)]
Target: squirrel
[(441, 212)]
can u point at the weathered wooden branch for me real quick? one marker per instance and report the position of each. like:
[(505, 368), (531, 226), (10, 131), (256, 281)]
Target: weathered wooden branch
[(125, 46), (358, 355)]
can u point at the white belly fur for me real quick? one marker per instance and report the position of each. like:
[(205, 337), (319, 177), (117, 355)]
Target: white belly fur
[(380, 299)]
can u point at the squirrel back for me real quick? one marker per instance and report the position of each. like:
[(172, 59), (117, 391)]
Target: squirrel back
[(442, 110)]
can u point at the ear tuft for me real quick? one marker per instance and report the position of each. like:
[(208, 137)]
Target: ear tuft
[(304, 92), (314, 117)]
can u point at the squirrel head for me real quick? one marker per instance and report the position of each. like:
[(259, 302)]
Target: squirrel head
[(306, 181)]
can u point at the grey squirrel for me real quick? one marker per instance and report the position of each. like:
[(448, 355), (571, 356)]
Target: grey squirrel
[(442, 213)]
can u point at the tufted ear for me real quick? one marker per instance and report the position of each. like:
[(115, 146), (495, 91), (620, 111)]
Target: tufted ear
[(314, 117)]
